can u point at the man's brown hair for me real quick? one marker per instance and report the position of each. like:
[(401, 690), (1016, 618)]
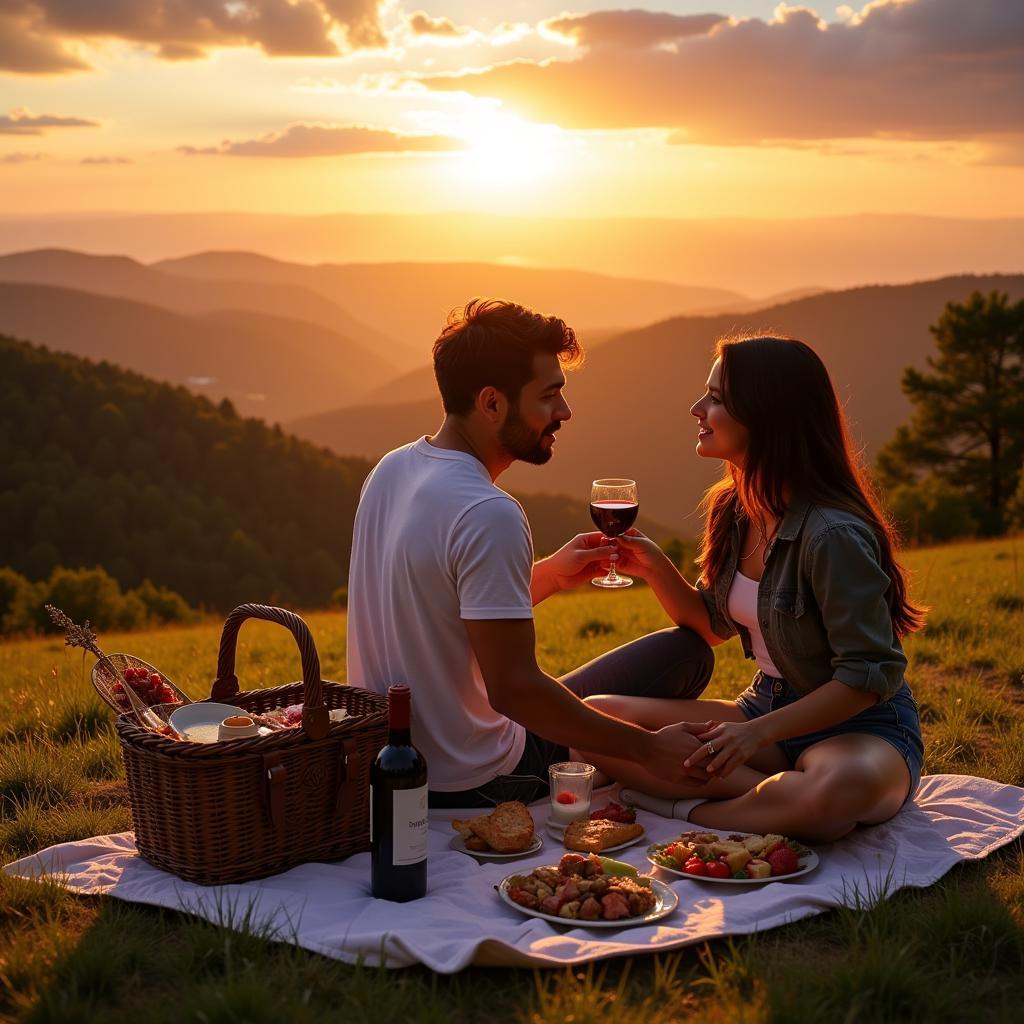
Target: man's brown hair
[(491, 343)]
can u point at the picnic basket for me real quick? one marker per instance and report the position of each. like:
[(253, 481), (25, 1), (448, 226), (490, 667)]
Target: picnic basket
[(229, 812)]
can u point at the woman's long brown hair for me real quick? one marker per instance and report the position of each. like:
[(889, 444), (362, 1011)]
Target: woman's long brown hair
[(799, 444)]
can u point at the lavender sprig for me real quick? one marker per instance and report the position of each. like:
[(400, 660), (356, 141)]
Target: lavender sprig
[(75, 635)]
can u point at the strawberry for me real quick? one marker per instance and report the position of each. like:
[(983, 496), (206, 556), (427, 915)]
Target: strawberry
[(783, 861)]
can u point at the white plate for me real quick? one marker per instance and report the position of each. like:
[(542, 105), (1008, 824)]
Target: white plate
[(194, 721), (459, 845), (808, 862), (667, 902), (559, 834)]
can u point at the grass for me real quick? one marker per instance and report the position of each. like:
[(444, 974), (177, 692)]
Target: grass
[(953, 952)]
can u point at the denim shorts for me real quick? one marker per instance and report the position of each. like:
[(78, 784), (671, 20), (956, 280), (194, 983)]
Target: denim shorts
[(894, 720)]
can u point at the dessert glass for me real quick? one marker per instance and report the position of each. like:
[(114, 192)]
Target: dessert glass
[(572, 783)]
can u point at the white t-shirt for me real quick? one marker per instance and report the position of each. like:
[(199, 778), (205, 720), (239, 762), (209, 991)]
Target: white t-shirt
[(435, 542), (742, 605)]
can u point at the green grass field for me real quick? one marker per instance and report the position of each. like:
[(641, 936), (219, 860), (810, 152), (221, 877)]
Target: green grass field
[(954, 952)]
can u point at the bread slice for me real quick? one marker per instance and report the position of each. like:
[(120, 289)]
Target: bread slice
[(595, 836), (507, 829)]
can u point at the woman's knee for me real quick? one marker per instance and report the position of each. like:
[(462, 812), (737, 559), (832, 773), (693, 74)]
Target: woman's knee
[(610, 703)]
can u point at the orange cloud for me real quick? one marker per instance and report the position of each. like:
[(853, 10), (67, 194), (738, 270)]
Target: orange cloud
[(422, 24), (309, 140), (22, 122), (34, 34), (926, 69)]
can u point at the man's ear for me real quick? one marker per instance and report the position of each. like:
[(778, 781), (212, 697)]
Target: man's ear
[(492, 405)]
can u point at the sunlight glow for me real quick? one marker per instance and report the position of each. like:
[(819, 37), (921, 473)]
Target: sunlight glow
[(504, 150)]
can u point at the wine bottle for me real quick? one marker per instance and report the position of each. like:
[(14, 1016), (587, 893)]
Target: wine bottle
[(398, 810)]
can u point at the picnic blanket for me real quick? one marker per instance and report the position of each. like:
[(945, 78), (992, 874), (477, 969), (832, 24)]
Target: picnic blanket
[(327, 908)]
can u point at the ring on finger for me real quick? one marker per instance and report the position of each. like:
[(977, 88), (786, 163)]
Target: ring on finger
[(711, 748)]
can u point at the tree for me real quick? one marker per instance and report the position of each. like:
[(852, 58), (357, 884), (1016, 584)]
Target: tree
[(967, 427)]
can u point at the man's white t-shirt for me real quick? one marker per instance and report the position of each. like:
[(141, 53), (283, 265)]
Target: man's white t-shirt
[(435, 542)]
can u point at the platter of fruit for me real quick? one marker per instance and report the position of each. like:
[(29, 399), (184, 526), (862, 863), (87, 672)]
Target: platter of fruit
[(736, 859), (589, 892)]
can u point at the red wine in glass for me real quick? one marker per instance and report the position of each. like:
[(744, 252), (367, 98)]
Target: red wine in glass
[(613, 518), (613, 507)]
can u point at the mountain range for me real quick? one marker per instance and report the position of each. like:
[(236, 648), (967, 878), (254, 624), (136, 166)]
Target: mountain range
[(755, 256), (630, 399)]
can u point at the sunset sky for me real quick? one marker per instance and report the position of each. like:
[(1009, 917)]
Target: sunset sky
[(692, 108)]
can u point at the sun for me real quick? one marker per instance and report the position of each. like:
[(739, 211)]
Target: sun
[(504, 151)]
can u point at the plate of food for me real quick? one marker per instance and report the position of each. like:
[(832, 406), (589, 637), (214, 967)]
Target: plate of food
[(505, 832), (462, 845), (601, 835), (589, 892), (741, 858)]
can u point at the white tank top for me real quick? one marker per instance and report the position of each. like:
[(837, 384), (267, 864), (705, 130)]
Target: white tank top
[(742, 605)]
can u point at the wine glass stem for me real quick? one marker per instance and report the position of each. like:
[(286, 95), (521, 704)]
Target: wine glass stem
[(612, 574)]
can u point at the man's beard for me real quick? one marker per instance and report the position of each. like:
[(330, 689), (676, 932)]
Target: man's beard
[(524, 444)]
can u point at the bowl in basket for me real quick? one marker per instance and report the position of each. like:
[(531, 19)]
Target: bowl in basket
[(200, 722)]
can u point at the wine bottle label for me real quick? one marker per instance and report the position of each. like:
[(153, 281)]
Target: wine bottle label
[(409, 835)]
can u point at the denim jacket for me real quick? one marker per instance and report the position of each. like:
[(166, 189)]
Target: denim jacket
[(820, 603)]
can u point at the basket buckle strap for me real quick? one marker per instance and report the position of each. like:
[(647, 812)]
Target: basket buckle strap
[(224, 687), (348, 776), (276, 773)]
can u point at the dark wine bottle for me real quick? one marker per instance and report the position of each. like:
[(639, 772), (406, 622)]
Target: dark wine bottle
[(398, 810)]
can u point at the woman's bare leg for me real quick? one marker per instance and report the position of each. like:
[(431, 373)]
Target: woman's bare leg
[(837, 784)]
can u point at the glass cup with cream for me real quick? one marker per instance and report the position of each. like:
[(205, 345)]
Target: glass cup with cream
[(572, 783)]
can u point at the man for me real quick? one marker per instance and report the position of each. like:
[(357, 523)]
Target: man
[(442, 582)]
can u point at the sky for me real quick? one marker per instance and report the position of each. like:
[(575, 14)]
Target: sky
[(724, 108)]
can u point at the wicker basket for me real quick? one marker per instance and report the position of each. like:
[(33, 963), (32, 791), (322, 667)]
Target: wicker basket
[(228, 812)]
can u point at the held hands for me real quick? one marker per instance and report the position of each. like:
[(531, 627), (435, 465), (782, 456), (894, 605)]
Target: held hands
[(671, 745), (726, 747)]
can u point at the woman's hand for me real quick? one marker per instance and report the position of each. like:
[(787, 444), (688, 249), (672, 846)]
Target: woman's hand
[(638, 555), (726, 747)]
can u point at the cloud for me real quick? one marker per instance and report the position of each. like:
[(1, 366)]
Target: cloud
[(307, 140), (97, 160), (35, 34), (422, 24), (22, 122), (20, 158), (918, 69), (630, 30)]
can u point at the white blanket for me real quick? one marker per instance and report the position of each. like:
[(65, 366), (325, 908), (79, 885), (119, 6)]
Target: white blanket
[(327, 908)]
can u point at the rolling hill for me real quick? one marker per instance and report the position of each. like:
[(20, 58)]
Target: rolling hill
[(102, 466), (756, 256), (124, 278), (631, 399), (268, 366), (411, 300)]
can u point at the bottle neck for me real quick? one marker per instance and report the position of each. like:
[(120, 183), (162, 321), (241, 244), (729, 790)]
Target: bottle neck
[(399, 737), (399, 700)]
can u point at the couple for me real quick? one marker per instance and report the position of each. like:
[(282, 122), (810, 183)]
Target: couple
[(797, 559)]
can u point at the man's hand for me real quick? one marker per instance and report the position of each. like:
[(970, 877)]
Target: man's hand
[(577, 561), (670, 748)]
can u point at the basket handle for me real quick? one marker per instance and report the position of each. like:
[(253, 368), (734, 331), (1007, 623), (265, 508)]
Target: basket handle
[(315, 717)]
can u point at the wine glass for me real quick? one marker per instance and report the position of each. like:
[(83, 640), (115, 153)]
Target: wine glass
[(613, 507)]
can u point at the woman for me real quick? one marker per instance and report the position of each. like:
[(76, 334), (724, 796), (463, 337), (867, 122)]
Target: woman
[(797, 559)]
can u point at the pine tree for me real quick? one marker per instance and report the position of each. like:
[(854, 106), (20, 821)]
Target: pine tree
[(967, 427)]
